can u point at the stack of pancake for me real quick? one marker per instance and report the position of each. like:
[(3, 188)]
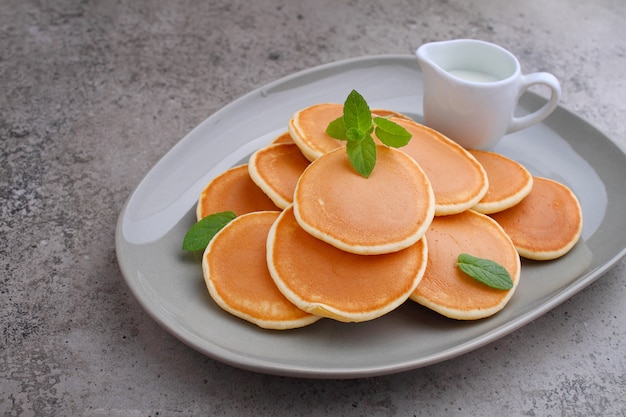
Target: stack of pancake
[(313, 238)]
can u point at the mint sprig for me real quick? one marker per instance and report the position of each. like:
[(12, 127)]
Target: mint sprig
[(356, 127), (201, 233), (486, 271), (391, 133)]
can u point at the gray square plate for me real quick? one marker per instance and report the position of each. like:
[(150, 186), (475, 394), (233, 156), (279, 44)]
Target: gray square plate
[(169, 285)]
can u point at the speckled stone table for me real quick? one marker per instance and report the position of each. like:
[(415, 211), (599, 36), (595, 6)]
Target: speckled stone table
[(94, 93)]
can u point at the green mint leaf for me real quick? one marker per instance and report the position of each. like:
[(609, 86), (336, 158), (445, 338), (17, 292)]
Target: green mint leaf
[(201, 233), (356, 112), (391, 133), (355, 134), (362, 155), (356, 127), (337, 129), (486, 271)]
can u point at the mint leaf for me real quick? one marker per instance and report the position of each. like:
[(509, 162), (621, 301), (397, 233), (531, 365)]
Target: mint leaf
[(486, 271), (355, 135), (201, 233), (356, 126), (337, 129), (391, 133), (362, 155), (356, 112)]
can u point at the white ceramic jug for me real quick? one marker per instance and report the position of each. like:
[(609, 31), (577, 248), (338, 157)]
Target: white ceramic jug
[(471, 91)]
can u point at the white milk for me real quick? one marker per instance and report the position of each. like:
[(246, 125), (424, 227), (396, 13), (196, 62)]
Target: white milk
[(474, 76)]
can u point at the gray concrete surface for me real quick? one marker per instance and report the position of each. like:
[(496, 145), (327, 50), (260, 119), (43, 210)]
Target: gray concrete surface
[(93, 93)]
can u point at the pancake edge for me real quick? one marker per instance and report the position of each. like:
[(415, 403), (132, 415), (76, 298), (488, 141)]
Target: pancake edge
[(379, 249), (327, 311), (256, 177), (214, 293), (483, 313)]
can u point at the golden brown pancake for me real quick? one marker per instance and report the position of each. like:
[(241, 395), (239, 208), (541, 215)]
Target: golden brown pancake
[(509, 182), (546, 224), (233, 190), (329, 282), (307, 128), (458, 180), (283, 138), (276, 169), (449, 291), (236, 274), (386, 212)]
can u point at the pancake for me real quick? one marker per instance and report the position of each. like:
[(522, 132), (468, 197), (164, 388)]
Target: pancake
[(235, 272), (233, 190), (449, 291), (386, 212), (509, 182), (307, 128), (283, 138), (329, 282), (275, 169), (458, 180), (546, 224)]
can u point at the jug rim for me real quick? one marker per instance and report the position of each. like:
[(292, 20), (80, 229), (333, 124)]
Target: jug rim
[(454, 54)]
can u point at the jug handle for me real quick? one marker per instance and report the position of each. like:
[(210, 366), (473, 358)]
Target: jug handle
[(537, 78)]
